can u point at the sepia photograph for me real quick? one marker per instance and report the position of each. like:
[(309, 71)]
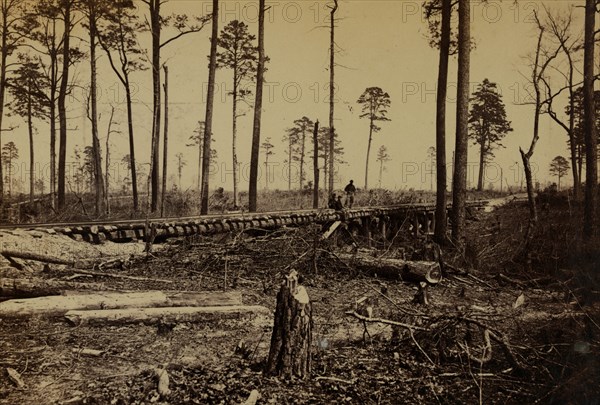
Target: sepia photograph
[(299, 202)]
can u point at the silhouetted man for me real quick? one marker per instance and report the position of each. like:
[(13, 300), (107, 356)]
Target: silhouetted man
[(350, 190)]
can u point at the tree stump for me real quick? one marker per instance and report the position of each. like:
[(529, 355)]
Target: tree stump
[(290, 351)]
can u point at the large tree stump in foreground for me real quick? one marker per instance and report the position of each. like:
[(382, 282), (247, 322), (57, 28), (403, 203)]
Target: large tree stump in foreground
[(290, 352)]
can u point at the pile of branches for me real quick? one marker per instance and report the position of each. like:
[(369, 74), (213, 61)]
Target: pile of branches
[(254, 254), (541, 360)]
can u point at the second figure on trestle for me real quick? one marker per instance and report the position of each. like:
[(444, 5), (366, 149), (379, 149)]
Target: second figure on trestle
[(350, 190)]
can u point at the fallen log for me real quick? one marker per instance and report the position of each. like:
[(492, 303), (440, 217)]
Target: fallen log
[(113, 275), (59, 305), (88, 352), (204, 299), (414, 271), (84, 263), (37, 287), (35, 257), (153, 316), (19, 264)]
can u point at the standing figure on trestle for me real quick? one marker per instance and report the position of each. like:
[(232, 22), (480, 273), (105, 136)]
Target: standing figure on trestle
[(350, 190)]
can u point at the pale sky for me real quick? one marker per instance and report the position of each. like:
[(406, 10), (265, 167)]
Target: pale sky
[(380, 43)]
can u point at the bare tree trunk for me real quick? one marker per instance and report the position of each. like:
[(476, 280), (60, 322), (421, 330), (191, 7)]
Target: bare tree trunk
[(368, 153), (52, 108), (580, 162), (542, 61), (62, 110), (560, 31), (9, 167), (589, 124), (576, 180), (52, 153), (302, 151), (209, 108), (267, 169), (106, 177), (31, 152), (529, 180), (200, 154), (431, 164), (533, 215), (260, 71), (290, 166), (332, 95), (123, 75), (179, 168), (459, 183), (234, 139), (3, 57), (107, 162), (316, 165), (380, 172), (200, 143), (536, 77), (155, 29), (481, 167), (573, 146), (199, 181), (165, 140), (134, 189), (98, 181), (325, 169), (441, 221)]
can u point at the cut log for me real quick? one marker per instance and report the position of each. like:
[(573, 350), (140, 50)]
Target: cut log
[(59, 305), (153, 316), (290, 350), (35, 257), (88, 352), (113, 275), (414, 271), (37, 287), (19, 264), (84, 263), (205, 299)]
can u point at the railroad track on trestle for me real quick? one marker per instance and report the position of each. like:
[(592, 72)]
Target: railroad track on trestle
[(420, 216)]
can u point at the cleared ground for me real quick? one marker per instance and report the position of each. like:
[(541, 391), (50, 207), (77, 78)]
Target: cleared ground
[(551, 333)]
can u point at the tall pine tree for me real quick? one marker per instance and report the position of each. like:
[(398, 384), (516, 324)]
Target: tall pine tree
[(487, 123)]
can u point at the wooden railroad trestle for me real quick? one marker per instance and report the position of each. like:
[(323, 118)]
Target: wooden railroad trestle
[(387, 221)]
